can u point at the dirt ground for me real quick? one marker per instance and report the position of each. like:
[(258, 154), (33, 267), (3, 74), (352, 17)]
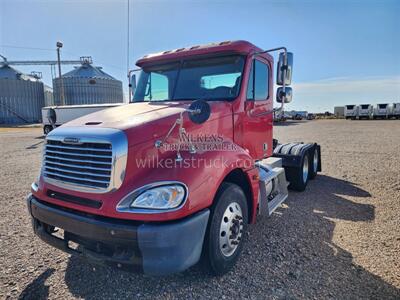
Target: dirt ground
[(339, 239)]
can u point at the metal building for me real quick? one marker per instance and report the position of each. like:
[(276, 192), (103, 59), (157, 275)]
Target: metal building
[(339, 111), (87, 84), (21, 96)]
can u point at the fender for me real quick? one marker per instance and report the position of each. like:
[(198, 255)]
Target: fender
[(292, 153), (203, 183)]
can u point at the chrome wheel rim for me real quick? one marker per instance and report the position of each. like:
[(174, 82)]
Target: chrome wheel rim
[(305, 168), (315, 161), (231, 229)]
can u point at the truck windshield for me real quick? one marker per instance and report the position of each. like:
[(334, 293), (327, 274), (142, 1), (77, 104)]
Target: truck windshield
[(210, 79)]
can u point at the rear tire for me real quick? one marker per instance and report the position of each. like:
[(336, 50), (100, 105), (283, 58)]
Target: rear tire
[(298, 176), (226, 229), (314, 159)]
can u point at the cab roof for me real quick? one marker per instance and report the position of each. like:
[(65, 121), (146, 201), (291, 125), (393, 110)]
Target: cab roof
[(239, 47)]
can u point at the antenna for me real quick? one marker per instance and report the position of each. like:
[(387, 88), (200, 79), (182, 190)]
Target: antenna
[(127, 44), (127, 57)]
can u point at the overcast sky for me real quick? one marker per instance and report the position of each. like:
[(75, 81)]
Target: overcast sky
[(345, 52)]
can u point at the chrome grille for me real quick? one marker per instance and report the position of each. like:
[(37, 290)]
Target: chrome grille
[(84, 164)]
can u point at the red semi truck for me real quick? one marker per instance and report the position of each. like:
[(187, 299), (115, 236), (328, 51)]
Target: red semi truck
[(177, 175)]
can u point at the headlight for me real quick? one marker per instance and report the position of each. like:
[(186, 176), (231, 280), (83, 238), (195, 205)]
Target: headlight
[(151, 197), (35, 186)]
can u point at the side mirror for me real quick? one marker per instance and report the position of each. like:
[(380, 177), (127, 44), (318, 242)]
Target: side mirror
[(284, 96), (282, 65), (133, 83), (132, 87), (52, 117), (199, 111)]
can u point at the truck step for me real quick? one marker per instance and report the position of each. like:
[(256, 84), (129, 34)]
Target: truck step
[(272, 185), (276, 202)]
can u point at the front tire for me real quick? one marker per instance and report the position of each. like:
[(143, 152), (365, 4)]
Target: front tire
[(225, 233)]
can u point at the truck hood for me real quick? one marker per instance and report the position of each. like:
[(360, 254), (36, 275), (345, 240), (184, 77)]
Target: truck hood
[(129, 115), (142, 121)]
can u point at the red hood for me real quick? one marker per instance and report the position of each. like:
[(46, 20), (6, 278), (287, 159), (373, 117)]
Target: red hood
[(129, 115), (142, 121)]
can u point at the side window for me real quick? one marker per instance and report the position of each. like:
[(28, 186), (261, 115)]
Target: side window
[(228, 80), (258, 87)]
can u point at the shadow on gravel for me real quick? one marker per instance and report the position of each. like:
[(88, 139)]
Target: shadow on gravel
[(334, 205), (289, 255), (37, 289), (34, 146)]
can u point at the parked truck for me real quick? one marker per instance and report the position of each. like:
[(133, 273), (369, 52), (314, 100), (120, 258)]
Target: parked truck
[(396, 110), (177, 175), (299, 115), (350, 112), (66, 113), (382, 111), (365, 111)]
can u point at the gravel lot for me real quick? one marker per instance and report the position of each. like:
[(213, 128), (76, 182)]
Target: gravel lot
[(338, 239)]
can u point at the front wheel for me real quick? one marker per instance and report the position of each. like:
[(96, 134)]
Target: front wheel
[(225, 233)]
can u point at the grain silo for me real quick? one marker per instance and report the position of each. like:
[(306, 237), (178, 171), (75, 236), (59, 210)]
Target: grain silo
[(21, 96), (48, 96), (87, 84)]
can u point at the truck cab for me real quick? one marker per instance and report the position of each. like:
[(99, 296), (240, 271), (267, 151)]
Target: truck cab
[(350, 112), (365, 111), (382, 111), (396, 110), (178, 173)]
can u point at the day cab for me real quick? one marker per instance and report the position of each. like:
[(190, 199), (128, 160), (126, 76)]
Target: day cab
[(176, 175)]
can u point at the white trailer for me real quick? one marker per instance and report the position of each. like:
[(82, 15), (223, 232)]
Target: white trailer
[(396, 110), (382, 111), (350, 112), (299, 115), (365, 111), (68, 113)]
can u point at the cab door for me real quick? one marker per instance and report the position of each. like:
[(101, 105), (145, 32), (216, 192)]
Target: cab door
[(258, 120)]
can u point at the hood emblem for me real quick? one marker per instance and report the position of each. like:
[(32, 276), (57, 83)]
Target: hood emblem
[(71, 140)]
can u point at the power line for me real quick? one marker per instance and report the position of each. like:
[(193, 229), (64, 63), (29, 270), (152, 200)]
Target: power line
[(27, 48)]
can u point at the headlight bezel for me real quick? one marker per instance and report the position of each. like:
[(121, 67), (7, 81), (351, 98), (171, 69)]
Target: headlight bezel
[(125, 204)]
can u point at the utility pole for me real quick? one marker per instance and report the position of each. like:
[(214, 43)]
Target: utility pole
[(59, 45)]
